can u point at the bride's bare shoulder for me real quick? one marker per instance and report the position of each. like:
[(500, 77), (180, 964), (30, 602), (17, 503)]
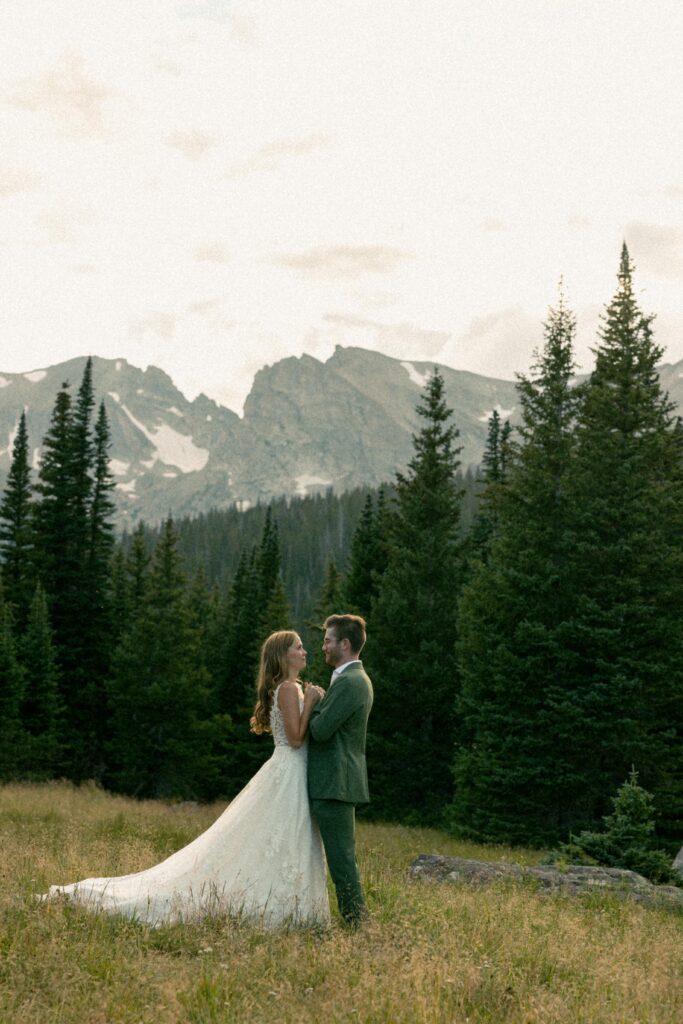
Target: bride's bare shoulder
[(287, 691)]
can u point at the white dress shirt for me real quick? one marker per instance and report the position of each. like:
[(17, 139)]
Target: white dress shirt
[(338, 671)]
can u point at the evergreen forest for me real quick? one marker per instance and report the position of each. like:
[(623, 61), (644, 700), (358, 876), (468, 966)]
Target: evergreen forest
[(525, 621)]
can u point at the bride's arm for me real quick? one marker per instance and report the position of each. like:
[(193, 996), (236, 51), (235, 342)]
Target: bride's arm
[(295, 722)]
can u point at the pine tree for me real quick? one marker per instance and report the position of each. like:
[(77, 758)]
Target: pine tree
[(329, 602), (243, 637), (628, 840), (625, 631), (493, 474), (98, 629), (40, 709), (54, 550), (368, 557), (138, 572), (13, 745), (512, 778), (120, 596), (82, 452), (268, 570), (16, 535), (278, 614), (74, 543), (159, 693), (413, 627)]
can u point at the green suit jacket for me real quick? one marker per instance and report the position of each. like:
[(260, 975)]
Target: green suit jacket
[(337, 732)]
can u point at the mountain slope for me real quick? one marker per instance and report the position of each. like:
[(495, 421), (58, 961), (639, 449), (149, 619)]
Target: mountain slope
[(307, 425)]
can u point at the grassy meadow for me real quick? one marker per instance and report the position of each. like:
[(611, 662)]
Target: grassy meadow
[(430, 954)]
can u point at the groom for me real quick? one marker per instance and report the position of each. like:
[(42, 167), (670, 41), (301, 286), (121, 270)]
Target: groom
[(337, 776)]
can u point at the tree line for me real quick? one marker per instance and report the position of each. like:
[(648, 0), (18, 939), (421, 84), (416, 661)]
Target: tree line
[(524, 622)]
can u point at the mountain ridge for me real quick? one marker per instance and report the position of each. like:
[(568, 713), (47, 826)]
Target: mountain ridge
[(307, 425)]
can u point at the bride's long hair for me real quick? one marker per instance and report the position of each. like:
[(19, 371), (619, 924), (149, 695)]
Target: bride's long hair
[(273, 669)]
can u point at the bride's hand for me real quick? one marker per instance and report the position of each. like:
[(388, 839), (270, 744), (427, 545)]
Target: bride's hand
[(313, 693)]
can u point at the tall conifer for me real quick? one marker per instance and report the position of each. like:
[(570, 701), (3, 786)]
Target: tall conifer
[(330, 601), (16, 534), (492, 475), (40, 709), (13, 746), (626, 630), (74, 543), (138, 571), (368, 557), (413, 627), (159, 692), (513, 774)]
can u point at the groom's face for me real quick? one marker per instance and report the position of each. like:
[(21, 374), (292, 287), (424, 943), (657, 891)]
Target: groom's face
[(333, 649)]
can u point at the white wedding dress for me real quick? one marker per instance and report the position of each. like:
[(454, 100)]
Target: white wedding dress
[(262, 860)]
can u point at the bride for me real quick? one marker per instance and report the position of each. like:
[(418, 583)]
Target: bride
[(262, 860)]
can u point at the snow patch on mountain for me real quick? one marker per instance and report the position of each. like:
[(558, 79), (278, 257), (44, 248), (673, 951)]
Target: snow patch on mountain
[(417, 378), (35, 376), (176, 412), (4, 383), (10, 443), (171, 447), (503, 413), (119, 365), (128, 487), (35, 461), (118, 467), (304, 481), (114, 395)]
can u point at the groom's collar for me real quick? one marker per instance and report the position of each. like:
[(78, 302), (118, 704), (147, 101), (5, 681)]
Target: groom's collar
[(347, 664)]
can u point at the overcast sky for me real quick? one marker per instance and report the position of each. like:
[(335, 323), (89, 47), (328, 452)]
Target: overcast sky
[(209, 185)]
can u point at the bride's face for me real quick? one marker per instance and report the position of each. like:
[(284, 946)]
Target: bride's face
[(296, 656)]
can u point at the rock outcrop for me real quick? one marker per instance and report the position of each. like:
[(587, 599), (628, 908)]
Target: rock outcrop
[(574, 880)]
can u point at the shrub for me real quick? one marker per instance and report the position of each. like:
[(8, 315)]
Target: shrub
[(628, 839)]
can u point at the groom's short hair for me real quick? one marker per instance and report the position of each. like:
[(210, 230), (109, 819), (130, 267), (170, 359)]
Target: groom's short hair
[(348, 627)]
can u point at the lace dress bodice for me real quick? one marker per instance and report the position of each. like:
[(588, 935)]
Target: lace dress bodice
[(277, 726)]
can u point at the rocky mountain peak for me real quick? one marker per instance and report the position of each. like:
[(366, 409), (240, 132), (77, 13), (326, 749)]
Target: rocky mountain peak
[(307, 426)]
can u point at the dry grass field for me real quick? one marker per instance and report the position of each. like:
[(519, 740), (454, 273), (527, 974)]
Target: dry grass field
[(430, 954)]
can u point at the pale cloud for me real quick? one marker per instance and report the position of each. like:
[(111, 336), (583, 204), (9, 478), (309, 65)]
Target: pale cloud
[(211, 252), (163, 325), (203, 306), (73, 99), (379, 299), (272, 155), (656, 248), (62, 226), (498, 345), (83, 268), (493, 224), (674, 191), (169, 67), (404, 340), (577, 220), (343, 261), (193, 145), (668, 333), (13, 182)]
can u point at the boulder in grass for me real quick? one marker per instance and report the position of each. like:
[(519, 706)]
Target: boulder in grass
[(574, 880)]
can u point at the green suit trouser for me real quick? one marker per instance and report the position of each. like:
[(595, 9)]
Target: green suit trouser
[(337, 823)]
